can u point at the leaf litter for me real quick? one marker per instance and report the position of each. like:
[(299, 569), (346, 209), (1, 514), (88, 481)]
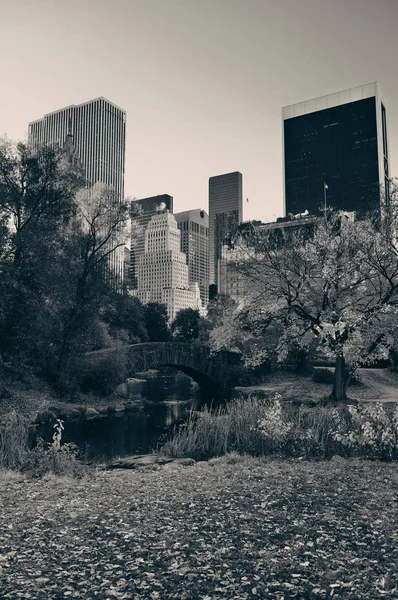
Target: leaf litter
[(219, 530)]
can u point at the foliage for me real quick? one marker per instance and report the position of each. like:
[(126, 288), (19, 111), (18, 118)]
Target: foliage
[(36, 206), (102, 373), (185, 326), (56, 251), (16, 454), (125, 316), (338, 284), (42, 460), (257, 427), (156, 321)]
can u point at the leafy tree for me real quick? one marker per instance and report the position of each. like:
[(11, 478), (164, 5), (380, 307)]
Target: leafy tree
[(156, 320), (56, 247), (338, 285), (186, 325), (99, 231), (36, 207), (125, 316)]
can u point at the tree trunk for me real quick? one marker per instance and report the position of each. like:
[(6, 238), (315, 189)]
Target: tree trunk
[(341, 379)]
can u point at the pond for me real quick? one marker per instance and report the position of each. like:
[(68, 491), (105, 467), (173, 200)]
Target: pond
[(166, 396)]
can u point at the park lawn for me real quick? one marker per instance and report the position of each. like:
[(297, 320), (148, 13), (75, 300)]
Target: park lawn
[(229, 528)]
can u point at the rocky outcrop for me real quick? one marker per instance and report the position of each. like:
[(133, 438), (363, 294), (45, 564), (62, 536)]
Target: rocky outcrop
[(148, 462)]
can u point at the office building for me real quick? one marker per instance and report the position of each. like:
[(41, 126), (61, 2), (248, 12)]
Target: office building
[(142, 212), (225, 213), (335, 153), (98, 128), (234, 272), (194, 229), (163, 270), (94, 134)]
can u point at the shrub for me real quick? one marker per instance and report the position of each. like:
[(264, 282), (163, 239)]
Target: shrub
[(44, 459), (258, 427), (15, 453), (103, 374)]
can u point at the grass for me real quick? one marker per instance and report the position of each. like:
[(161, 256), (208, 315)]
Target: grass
[(261, 427), (231, 528)]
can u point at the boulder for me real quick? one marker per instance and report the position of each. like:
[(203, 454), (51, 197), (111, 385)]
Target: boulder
[(91, 413), (148, 461), (184, 462)]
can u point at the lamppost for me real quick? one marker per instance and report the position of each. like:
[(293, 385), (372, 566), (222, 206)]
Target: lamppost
[(325, 187)]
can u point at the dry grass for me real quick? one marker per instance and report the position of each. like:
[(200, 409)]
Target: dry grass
[(261, 427)]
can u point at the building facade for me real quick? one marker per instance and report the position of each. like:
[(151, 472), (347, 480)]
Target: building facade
[(335, 153), (235, 278), (95, 133), (163, 270), (194, 229), (98, 128), (225, 213), (142, 212)]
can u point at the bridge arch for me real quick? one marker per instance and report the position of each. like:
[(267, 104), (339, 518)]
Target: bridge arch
[(215, 374)]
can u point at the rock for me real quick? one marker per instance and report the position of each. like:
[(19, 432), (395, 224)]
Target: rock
[(130, 406), (119, 408), (148, 461), (337, 459), (184, 462), (69, 414), (46, 417), (91, 413)]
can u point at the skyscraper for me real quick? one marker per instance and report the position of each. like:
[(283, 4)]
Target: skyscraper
[(335, 152), (163, 270), (98, 128), (194, 228), (225, 213), (142, 212), (95, 133)]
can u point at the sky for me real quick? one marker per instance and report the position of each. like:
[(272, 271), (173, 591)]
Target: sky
[(202, 81)]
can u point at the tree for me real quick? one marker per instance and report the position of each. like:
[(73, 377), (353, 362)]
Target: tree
[(156, 320), (186, 326), (338, 284), (99, 231), (37, 191), (125, 316)]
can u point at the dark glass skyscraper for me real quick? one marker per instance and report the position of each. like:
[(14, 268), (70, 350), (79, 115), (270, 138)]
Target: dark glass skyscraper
[(336, 150), (225, 213)]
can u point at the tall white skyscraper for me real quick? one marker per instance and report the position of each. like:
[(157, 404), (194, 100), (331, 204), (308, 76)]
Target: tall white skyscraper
[(97, 130), (163, 270)]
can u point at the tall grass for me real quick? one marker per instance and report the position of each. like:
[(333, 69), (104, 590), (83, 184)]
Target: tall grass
[(16, 454), (258, 427), (14, 440)]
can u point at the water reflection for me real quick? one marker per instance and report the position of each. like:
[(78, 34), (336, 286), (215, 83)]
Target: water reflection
[(167, 397)]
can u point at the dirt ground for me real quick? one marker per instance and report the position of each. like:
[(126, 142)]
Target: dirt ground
[(376, 385)]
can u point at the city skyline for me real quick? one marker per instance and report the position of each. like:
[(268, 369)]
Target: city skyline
[(227, 68)]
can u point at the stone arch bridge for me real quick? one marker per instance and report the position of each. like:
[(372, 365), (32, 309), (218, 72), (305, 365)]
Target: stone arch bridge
[(216, 374)]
